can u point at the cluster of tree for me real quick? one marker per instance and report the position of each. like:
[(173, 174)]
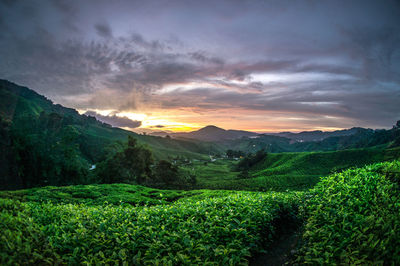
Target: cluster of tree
[(234, 154), (396, 134), (250, 160), (135, 164)]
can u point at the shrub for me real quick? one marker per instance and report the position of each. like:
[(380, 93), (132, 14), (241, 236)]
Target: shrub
[(217, 230), (353, 217)]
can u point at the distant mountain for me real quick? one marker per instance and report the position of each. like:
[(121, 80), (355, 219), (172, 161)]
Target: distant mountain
[(213, 133), (318, 135)]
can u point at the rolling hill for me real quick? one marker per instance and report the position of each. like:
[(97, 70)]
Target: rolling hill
[(287, 171)]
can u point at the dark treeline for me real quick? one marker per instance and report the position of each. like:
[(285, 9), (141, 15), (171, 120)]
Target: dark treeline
[(234, 153)]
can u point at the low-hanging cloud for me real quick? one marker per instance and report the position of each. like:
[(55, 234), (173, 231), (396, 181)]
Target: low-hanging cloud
[(114, 120)]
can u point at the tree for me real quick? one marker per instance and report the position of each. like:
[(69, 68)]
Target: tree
[(396, 134), (166, 172), (131, 165), (250, 160), (234, 154), (397, 124), (138, 161)]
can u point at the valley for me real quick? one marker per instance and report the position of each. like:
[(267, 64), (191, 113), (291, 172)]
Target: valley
[(75, 190)]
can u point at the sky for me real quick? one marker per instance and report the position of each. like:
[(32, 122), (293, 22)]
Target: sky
[(263, 66)]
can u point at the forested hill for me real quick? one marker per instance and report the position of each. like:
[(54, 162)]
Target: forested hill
[(20, 105), (37, 134)]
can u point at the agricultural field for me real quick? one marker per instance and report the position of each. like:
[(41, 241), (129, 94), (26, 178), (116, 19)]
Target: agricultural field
[(349, 217), (97, 194), (284, 171), (209, 228)]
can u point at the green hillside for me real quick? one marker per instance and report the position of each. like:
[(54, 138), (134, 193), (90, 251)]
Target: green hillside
[(282, 171)]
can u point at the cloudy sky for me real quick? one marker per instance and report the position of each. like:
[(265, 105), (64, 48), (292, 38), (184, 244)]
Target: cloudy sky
[(264, 66)]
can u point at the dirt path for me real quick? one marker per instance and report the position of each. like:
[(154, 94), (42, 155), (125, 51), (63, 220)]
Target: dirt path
[(280, 251)]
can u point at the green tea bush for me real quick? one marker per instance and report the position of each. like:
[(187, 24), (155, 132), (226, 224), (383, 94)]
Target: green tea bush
[(21, 240), (96, 194), (353, 217), (217, 230)]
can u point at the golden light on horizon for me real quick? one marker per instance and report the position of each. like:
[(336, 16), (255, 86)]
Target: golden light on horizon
[(185, 120), (160, 121)]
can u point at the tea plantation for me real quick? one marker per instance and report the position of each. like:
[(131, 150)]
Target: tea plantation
[(352, 217), (286, 171), (212, 230)]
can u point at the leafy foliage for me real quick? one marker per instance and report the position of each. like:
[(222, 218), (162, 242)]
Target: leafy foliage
[(250, 160), (166, 172), (131, 165), (47, 151), (353, 217), (98, 194), (218, 230), (234, 154)]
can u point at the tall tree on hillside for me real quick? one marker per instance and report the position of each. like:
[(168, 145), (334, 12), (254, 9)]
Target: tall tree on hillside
[(131, 165), (138, 160)]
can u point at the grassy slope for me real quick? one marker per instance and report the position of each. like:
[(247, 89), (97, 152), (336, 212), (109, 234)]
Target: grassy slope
[(282, 171)]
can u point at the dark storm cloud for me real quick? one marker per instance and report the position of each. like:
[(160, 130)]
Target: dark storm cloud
[(114, 120), (103, 30), (8, 3), (378, 51), (204, 58), (335, 58), (342, 102), (140, 41)]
